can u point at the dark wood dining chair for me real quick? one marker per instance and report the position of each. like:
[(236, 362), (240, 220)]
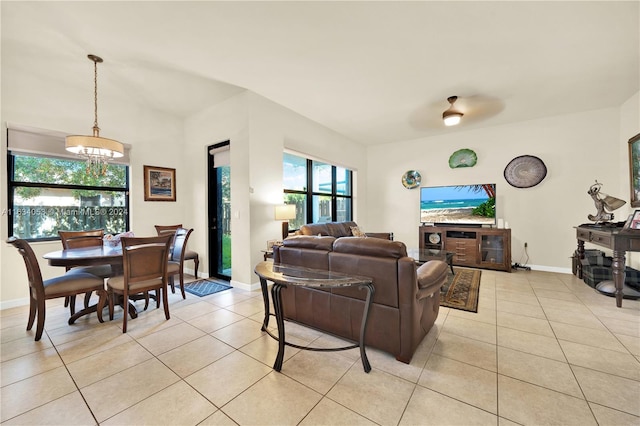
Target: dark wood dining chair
[(82, 239), (145, 269), (189, 254), (71, 283), (177, 257)]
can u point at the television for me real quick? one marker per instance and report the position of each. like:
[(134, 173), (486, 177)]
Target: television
[(473, 205)]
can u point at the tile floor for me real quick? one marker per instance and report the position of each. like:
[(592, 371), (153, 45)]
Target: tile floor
[(543, 349)]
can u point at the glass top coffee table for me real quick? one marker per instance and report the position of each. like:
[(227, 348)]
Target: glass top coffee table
[(283, 276), (424, 255)]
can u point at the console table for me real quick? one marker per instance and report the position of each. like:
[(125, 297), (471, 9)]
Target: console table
[(616, 239), (283, 276)]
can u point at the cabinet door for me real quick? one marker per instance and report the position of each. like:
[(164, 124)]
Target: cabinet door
[(492, 250)]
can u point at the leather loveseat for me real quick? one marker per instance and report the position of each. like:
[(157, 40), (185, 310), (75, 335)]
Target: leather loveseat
[(339, 229), (406, 299)]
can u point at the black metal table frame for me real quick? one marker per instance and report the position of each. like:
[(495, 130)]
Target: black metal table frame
[(276, 296)]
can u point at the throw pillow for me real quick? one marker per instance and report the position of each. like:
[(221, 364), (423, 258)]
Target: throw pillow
[(357, 232)]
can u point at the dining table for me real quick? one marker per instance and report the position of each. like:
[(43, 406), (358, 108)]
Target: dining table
[(90, 256)]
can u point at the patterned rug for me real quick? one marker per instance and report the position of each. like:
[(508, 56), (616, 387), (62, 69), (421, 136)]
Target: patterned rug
[(203, 288), (461, 290)]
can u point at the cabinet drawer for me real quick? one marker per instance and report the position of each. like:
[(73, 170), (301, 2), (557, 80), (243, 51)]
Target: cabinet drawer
[(583, 234), (601, 239)]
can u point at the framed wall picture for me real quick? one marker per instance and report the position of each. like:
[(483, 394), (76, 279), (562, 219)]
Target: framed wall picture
[(159, 184), (633, 222), (634, 169)]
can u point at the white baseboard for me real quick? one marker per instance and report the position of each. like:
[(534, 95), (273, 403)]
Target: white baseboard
[(7, 304)]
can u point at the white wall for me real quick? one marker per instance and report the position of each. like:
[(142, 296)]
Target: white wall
[(258, 130), (577, 149)]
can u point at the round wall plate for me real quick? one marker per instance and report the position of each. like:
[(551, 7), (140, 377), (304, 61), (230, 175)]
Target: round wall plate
[(525, 171), (411, 179), (463, 158), (434, 238)]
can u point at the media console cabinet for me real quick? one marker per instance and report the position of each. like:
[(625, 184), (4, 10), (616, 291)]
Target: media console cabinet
[(488, 248)]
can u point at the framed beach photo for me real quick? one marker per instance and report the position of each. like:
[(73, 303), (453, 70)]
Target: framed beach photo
[(159, 184), (634, 169)]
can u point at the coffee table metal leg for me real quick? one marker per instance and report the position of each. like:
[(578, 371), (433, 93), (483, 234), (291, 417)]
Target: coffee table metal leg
[(363, 326), (277, 306)]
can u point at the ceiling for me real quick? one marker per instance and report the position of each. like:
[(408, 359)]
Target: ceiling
[(375, 72)]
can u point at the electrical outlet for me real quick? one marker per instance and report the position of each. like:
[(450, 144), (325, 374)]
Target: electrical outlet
[(525, 245)]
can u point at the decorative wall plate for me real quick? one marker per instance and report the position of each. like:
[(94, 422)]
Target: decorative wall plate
[(411, 179), (525, 171), (463, 158), (434, 238)]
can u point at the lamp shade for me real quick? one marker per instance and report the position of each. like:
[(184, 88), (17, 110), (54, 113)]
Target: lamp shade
[(452, 116), (286, 212), (92, 145)]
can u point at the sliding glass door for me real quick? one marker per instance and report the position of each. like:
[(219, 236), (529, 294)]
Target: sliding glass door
[(219, 211)]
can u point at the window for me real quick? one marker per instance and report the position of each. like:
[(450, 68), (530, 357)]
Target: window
[(47, 193), (321, 192)]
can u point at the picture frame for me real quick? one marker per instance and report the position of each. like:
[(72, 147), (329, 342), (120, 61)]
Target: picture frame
[(633, 221), (159, 183), (270, 244), (634, 169)]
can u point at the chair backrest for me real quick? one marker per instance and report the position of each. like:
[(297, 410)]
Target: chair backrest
[(145, 258), (167, 229), (179, 243), (81, 239), (31, 262)]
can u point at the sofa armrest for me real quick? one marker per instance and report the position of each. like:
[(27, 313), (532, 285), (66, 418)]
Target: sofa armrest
[(431, 277)]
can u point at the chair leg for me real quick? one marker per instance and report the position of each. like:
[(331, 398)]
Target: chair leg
[(72, 304), (125, 305), (165, 301), (101, 302), (32, 312), (184, 296), (41, 315), (87, 299), (173, 287), (158, 298), (66, 301), (196, 262), (110, 297), (146, 300)]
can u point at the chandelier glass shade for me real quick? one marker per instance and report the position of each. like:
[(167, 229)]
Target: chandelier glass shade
[(96, 150)]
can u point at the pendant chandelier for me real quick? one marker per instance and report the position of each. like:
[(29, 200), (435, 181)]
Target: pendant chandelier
[(96, 150)]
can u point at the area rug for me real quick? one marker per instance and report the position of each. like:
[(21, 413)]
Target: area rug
[(203, 288), (461, 290)]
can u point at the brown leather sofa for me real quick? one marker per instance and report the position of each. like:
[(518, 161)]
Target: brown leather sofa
[(406, 299), (338, 229)]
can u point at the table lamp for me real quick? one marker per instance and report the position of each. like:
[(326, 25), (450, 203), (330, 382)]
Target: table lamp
[(285, 213)]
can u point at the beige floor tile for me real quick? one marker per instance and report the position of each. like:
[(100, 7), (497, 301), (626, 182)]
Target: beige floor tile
[(524, 323), (520, 309), (612, 362), (247, 307), (103, 339), (34, 391), (170, 338), (191, 357), (194, 310), (505, 422), (239, 333), (104, 364), (563, 304), (483, 315), (466, 350), (557, 286), (535, 344), (265, 349), (9, 333), (67, 410), (470, 328), (631, 343), (587, 336), (151, 322), (23, 346), (472, 385), (219, 418), (226, 299), (29, 365), (228, 377), (609, 417), (541, 405), (376, 395), (582, 319), (319, 371), (126, 388), (215, 320), (518, 297), (328, 412), (288, 404), (388, 363), (618, 326), (559, 295), (608, 390), (429, 407), (548, 373), (178, 404)]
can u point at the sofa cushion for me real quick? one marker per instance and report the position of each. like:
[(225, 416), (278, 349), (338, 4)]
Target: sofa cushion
[(309, 242), (334, 229), (377, 247)]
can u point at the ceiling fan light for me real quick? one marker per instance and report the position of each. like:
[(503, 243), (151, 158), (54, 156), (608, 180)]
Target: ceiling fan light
[(452, 116)]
